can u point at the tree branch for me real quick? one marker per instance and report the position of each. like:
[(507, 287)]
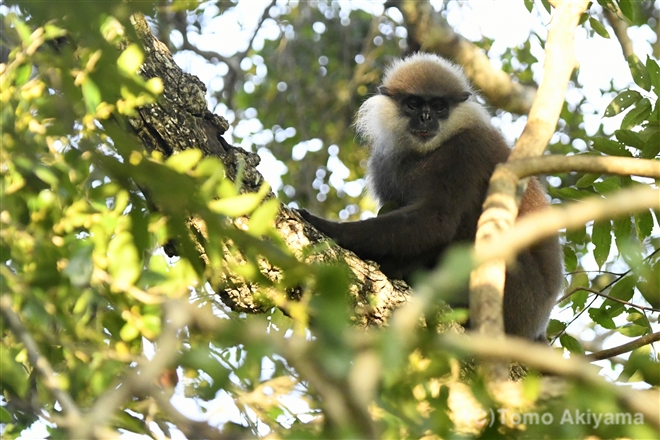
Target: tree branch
[(487, 281), (545, 223), (604, 295), (547, 360), (625, 348)]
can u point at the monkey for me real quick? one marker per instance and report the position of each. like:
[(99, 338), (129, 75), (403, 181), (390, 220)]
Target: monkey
[(432, 152)]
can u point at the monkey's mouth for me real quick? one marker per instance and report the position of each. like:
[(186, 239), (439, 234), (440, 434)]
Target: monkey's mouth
[(424, 134)]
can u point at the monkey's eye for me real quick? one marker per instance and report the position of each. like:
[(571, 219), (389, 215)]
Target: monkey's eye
[(438, 105), (413, 103)]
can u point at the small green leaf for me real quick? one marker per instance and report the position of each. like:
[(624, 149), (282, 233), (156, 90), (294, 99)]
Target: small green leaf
[(239, 205), (570, 259), (128, 332), (654, 73), (22, 75), (652, 146), (130, 59), (639, 73), (91, 95), (608, 185), (586, 180), (529, 4), (124, 262), (627, 9), (555, 327), (622, 231), (602, 318), (571, 344), (601, 237), (621, 102), (632, 330), (631, 139), (184, 161), (624, 288), (644, 224), (609, 147), (264, 217), (5, 417), (637, 115), (598, 28)]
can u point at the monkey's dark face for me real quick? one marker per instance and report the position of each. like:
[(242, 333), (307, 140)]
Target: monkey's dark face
[(424, 113)]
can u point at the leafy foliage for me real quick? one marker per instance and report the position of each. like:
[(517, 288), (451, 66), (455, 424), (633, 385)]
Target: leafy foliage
[(83, 266)]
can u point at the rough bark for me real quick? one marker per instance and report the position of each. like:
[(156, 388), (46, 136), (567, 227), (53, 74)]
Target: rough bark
[(181, 120)]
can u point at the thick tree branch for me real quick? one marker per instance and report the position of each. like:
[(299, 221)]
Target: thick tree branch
[(545, 223), (550, 361), (429, 31), (625, 348), (552, 164), (487, 281), (181, 120)]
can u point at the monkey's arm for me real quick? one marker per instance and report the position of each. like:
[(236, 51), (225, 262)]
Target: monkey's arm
[(408, 231)]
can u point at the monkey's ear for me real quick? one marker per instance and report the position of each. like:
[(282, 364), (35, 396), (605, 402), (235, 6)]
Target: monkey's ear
[(382, 90)]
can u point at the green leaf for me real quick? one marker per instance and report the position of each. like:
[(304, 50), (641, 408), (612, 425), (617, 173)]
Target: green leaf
[(555, 327), (5, 417), (184, 161), (650, 287), (639, 73), (624, 288), (598, 28), (610, 147), (570, 259), (621, 102), (644, 224), (577, 235), (22, 75), (608, 185), (91, 94), (263, 217), (652, 147), (130, 59), (632, 330), (80, 266), (569, 193), (239, 205), (13, 377), (571, 344), (602, 318), (654, 73), (631, 139), (601, 237), (128, 332), (586, 180), (637, 115), (627, 9), (622, 231), (529, 4), (124, 262)]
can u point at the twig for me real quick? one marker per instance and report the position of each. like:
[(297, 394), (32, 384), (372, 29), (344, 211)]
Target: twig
[(40, 363), (575, 318), (625, 348), (599, 293)]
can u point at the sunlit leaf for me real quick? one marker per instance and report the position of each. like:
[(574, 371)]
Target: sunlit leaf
[(621, 102)]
